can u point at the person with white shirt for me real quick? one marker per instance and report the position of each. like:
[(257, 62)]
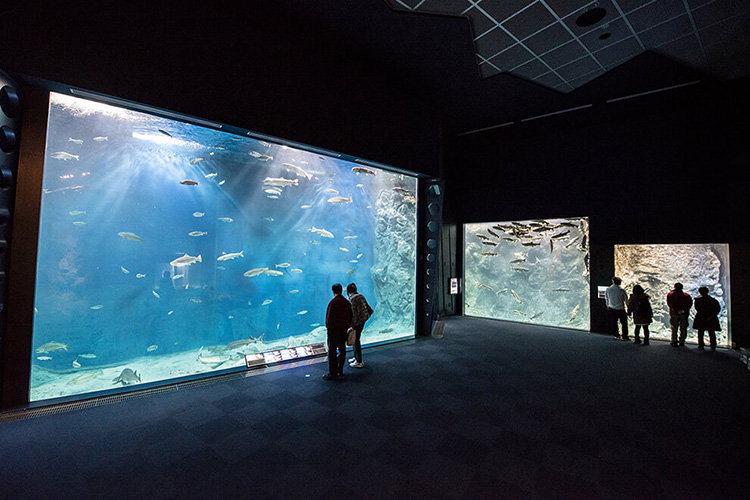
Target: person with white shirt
[(616, 299)]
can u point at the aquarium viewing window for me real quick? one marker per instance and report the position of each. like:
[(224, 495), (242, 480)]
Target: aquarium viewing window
[(168, 249), (532, 271), (658, 267)]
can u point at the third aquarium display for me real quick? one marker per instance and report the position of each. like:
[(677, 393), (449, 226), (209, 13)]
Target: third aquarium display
[(534, 271), (168, 250), (658, 267)]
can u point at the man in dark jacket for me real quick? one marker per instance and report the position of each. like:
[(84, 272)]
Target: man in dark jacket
[(338, 321), (707, 311), (679, 308)]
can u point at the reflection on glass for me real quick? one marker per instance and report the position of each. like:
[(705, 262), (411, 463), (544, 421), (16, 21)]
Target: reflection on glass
[(534, 271), (167, 249), (658, 267)]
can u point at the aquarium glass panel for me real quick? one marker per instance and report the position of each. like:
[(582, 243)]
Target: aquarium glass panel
[(533, 271), (658, 267), (168, 249)]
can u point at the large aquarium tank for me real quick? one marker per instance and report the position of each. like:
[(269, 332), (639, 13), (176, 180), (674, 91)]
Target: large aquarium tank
[(531, 271), (658, 267), (168, 249)]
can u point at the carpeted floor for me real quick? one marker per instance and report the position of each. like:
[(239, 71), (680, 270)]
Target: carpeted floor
[(491, 410)]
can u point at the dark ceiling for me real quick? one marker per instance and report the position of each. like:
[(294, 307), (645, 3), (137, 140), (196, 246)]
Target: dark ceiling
[(490, 62)]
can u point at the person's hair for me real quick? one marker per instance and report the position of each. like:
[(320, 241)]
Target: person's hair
[(351, 288), (337, 288), (678, 286), (638, 289), (703, 290), (616, 280)]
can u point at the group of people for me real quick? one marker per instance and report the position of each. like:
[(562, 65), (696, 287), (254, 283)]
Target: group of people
[(342, 317), (620, 306)]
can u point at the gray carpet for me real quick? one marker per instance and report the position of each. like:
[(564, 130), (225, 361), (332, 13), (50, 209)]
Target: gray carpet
[(491, 410)]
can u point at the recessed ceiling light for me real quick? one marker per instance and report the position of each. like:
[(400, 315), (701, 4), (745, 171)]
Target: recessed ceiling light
[(591, 17)]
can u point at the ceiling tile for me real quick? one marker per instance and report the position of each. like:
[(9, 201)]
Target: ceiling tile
[(655, 13), (480, 23), (685, 50), (667, 32), (618, 52), (630, 5), (719, 33), (502, 9), (586, 78), (565, 7), (719, 11), (578, 68), (487, 70), (564, 54), (549, 79), (515, 56), (617, 29), (531, 70), (529, 21), (550, 38), (493, 43)]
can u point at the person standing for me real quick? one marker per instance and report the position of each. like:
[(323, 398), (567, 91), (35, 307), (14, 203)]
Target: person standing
[(361, 312), (707, 311), (679, 309), (640, 307), (338, 321), (616, 298)]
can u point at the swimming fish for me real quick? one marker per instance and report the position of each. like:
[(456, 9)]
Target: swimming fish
[(296, 270), (255, 272), (164, 132), (211, 175), (125, 271), (188, 182), (85, 378), (230, 256), (195, 161), (195, 301), (101, 138), (51, 347), (152, 348), (271, 272), (322, 232), (574, 312), (155, 294), (77, 141), (363, 170), (127, 376), (280, 181), (350, 237), (178, 276), (410, 199), (339, 200), (343, 249), (515, 296), (185, 260), (198, 214), (96, 307), (77, 212), (283, 264), (79, 223), (304, 311), (306, 206), (129, 236), (225, 219), (260, 156), (139, 275), (266, 302), (43, 358), (197, 233), (297, 170), (62, 155), (87, 356), (293, 291), (76, 364)]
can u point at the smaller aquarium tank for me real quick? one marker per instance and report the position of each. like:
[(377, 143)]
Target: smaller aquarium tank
[(169, 250), (658, 267), (532, 271)]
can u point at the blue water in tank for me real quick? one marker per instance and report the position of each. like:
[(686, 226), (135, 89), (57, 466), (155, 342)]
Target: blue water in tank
[(171, 249)]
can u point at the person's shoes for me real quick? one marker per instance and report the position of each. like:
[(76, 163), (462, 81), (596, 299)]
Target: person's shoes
[(673, 344), (357, 365), (626, 338), (637, 341), (352, 360), (645, 342), (328, 376), (682, 343)]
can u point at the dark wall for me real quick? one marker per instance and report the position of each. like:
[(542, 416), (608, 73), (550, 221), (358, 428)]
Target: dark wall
[(266, 66), (664, 168)]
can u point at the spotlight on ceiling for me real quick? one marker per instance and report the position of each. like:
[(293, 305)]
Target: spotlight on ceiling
[(591, 17)]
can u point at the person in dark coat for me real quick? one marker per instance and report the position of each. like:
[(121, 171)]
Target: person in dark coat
[(640, 307), (361, 312), (679, 310), (338, 321), (707, 311)]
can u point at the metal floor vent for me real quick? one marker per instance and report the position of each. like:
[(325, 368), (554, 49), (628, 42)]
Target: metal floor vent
[(54, 409)]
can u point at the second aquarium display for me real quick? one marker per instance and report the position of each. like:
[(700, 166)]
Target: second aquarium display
[(658, 267), (167, 249), (533, 271)]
